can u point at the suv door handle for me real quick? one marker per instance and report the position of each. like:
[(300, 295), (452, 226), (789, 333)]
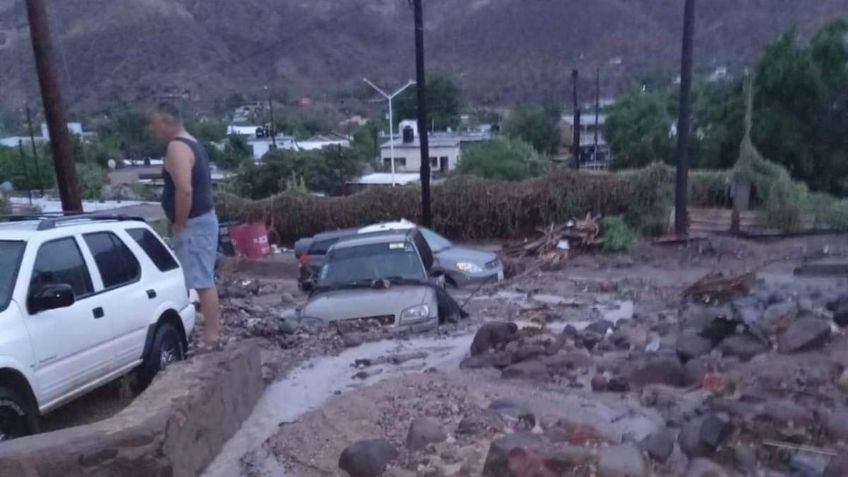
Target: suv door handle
[(98, 313), (151, 294)]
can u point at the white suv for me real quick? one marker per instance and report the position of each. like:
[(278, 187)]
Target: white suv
[(83, 301)]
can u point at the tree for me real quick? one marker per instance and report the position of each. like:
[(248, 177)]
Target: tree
[(510, 160), (128, 131), (444, 102), (365, 142), (536, 126), (236, 153)]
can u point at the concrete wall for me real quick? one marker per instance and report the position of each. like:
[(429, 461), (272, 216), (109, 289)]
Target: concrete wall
[(174, 429)]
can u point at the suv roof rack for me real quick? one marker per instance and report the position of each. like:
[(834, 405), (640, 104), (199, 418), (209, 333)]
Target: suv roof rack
[(48, 221)]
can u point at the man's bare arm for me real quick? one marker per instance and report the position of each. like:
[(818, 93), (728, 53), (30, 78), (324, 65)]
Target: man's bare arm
[(179, 163)]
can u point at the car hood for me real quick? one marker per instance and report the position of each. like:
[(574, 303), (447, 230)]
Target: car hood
[(456, 254), (357, 303)]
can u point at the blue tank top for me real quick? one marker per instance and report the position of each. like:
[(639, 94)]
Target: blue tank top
[(201, 184)]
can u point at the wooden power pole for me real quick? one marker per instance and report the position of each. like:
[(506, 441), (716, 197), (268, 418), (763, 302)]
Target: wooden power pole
[(681, 219), (54, 110), (575, 75), (421, 88)]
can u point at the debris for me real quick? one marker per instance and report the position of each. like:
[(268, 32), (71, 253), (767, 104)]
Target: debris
[(492, 336), (691, 345), (622, 461), (367, 458), (705, 468), (799, 448), (742, 346), (838, 466), (424, 431), (657, 370), (659, 445), (717, 287), (501, 451), (556, 242), (395, 359), (530, 369)]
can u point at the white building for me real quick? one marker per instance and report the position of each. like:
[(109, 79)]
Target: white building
[(445, 149), (73, 128)]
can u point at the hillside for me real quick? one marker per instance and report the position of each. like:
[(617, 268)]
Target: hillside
[(503, 50)]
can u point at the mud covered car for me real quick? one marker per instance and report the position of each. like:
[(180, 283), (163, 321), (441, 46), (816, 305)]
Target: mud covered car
[(383, 277)]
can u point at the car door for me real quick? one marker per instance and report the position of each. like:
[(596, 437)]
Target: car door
[(73, 346), (128, 304)]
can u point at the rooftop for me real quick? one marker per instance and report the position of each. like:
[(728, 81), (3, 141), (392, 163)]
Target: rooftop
[(373, 239), (385, 178)]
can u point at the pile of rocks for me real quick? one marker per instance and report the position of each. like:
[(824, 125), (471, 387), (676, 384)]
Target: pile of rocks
[(755, 382)]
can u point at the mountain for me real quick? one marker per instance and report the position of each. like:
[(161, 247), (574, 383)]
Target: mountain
[(501, 50)]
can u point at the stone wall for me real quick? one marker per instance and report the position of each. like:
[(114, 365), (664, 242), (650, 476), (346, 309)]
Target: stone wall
[(174, 429)]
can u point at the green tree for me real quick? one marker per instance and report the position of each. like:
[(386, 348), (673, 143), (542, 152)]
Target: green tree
[(536, 126), (92, 178), (237, 152), (444, 102), (207, 130), (510, 160), (638, 129), (128, 131), (365, 142), (12, 168)]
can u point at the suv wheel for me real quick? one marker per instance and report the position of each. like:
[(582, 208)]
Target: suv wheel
[(167, 349), (17, 417)]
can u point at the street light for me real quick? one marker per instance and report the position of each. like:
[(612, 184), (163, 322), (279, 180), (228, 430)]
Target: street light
[(389, 98)]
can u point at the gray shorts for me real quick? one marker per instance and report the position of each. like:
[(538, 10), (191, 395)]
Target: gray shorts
[(196, 248)]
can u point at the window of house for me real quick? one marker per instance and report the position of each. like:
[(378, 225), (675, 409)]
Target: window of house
[(399, 162), (116, 263), (434, 162), (154, 248), (60, 262)]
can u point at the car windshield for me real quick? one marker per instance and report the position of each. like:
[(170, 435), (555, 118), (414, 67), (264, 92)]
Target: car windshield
[(10, 260), (436, 242), (363, 264)]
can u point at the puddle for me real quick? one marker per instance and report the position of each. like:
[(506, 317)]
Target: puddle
[(308, 387)]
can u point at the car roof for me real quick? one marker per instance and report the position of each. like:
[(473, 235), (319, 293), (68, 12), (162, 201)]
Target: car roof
[(25, 228), (373, 239), (401, 224), (333, 234)]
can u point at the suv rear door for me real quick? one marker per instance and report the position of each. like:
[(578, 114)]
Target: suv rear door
[(72, 346), (128, 306)]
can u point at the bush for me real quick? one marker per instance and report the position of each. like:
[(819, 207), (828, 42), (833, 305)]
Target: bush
[(5, 209), (508, 160), (92, 178), (617, 235)]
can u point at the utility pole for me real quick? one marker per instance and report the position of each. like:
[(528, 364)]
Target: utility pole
[(681, 221), (54, 110), (597, 111), (26, 172), (575, 75), (273, 129), (426, 213), (34, 152)]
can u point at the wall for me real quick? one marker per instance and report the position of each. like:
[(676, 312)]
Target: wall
[(174, 429)]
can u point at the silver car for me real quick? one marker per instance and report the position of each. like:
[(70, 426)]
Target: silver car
[(460, 265), (383, 277)]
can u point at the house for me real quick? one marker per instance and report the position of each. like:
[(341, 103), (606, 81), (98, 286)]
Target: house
[(445, 149), (12, 141), (320, 142), (589, 125), (73, 128)]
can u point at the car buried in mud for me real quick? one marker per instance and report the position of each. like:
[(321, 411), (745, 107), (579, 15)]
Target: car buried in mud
[(382, 277)]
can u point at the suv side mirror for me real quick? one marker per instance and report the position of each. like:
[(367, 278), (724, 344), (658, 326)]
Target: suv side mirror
[(51, 297)]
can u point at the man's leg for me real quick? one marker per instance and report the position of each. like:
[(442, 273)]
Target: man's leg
[(211, 310)]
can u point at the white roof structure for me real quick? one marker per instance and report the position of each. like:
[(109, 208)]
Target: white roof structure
[(385, 178)]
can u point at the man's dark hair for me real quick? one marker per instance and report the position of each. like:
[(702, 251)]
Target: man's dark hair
[(171, 110)]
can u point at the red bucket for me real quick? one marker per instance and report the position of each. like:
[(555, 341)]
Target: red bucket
[(250, 240)]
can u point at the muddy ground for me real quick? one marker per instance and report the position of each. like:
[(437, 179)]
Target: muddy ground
[(612, 372)]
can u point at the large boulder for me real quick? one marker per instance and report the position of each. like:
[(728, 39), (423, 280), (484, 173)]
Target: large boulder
[(368, 458), (659, 445), (743, 346), (531, 369), (497, 359), (424, 431), (701, 437), (803, 335), (691, 345), (780, 316), (513, 446), (493, 336), (624, 460), (835, 423), (705, 468), (656, 370)]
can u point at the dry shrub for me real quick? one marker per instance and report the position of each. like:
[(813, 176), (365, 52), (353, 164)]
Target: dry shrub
[(466, 207)]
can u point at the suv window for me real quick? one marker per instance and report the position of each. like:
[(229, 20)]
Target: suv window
[(116, 263), (60, 262), (155, 249), (11, 253), (320, 247)]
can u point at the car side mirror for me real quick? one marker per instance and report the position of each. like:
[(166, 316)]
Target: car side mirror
[(51, 297)]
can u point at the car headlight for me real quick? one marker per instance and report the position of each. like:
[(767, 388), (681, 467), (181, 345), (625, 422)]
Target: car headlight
[(415, 313), (468, 267)]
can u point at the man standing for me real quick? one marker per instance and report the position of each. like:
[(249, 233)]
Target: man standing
[(188, 203)]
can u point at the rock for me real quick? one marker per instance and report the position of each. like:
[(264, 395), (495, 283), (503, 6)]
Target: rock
[(477, 424), (691, 345), (840, 316), (715, 430), (617, 384), (838, 466), (569, 331), (659, 445), (493, 335), (694, 371), (705, 468), (513, 410), (803, 335), (657, 370), (367, 458), (498, 459), (600, 327), (622, 461), (744, 347), (836, 424), (529, 351), (839, 302), (784, 412), (563, 362), (286, 327), (701, 437), (809, 464), (780, 316), (352, 340), (589, 340), (497, 360), (531, 369), (842, 381), (424, 431), (599, 383)]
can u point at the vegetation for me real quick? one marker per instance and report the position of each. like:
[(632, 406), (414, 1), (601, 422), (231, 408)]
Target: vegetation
[(12, 168), (617, 235), (444, 102), (536, 126), (508, 160), (92, 178)]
